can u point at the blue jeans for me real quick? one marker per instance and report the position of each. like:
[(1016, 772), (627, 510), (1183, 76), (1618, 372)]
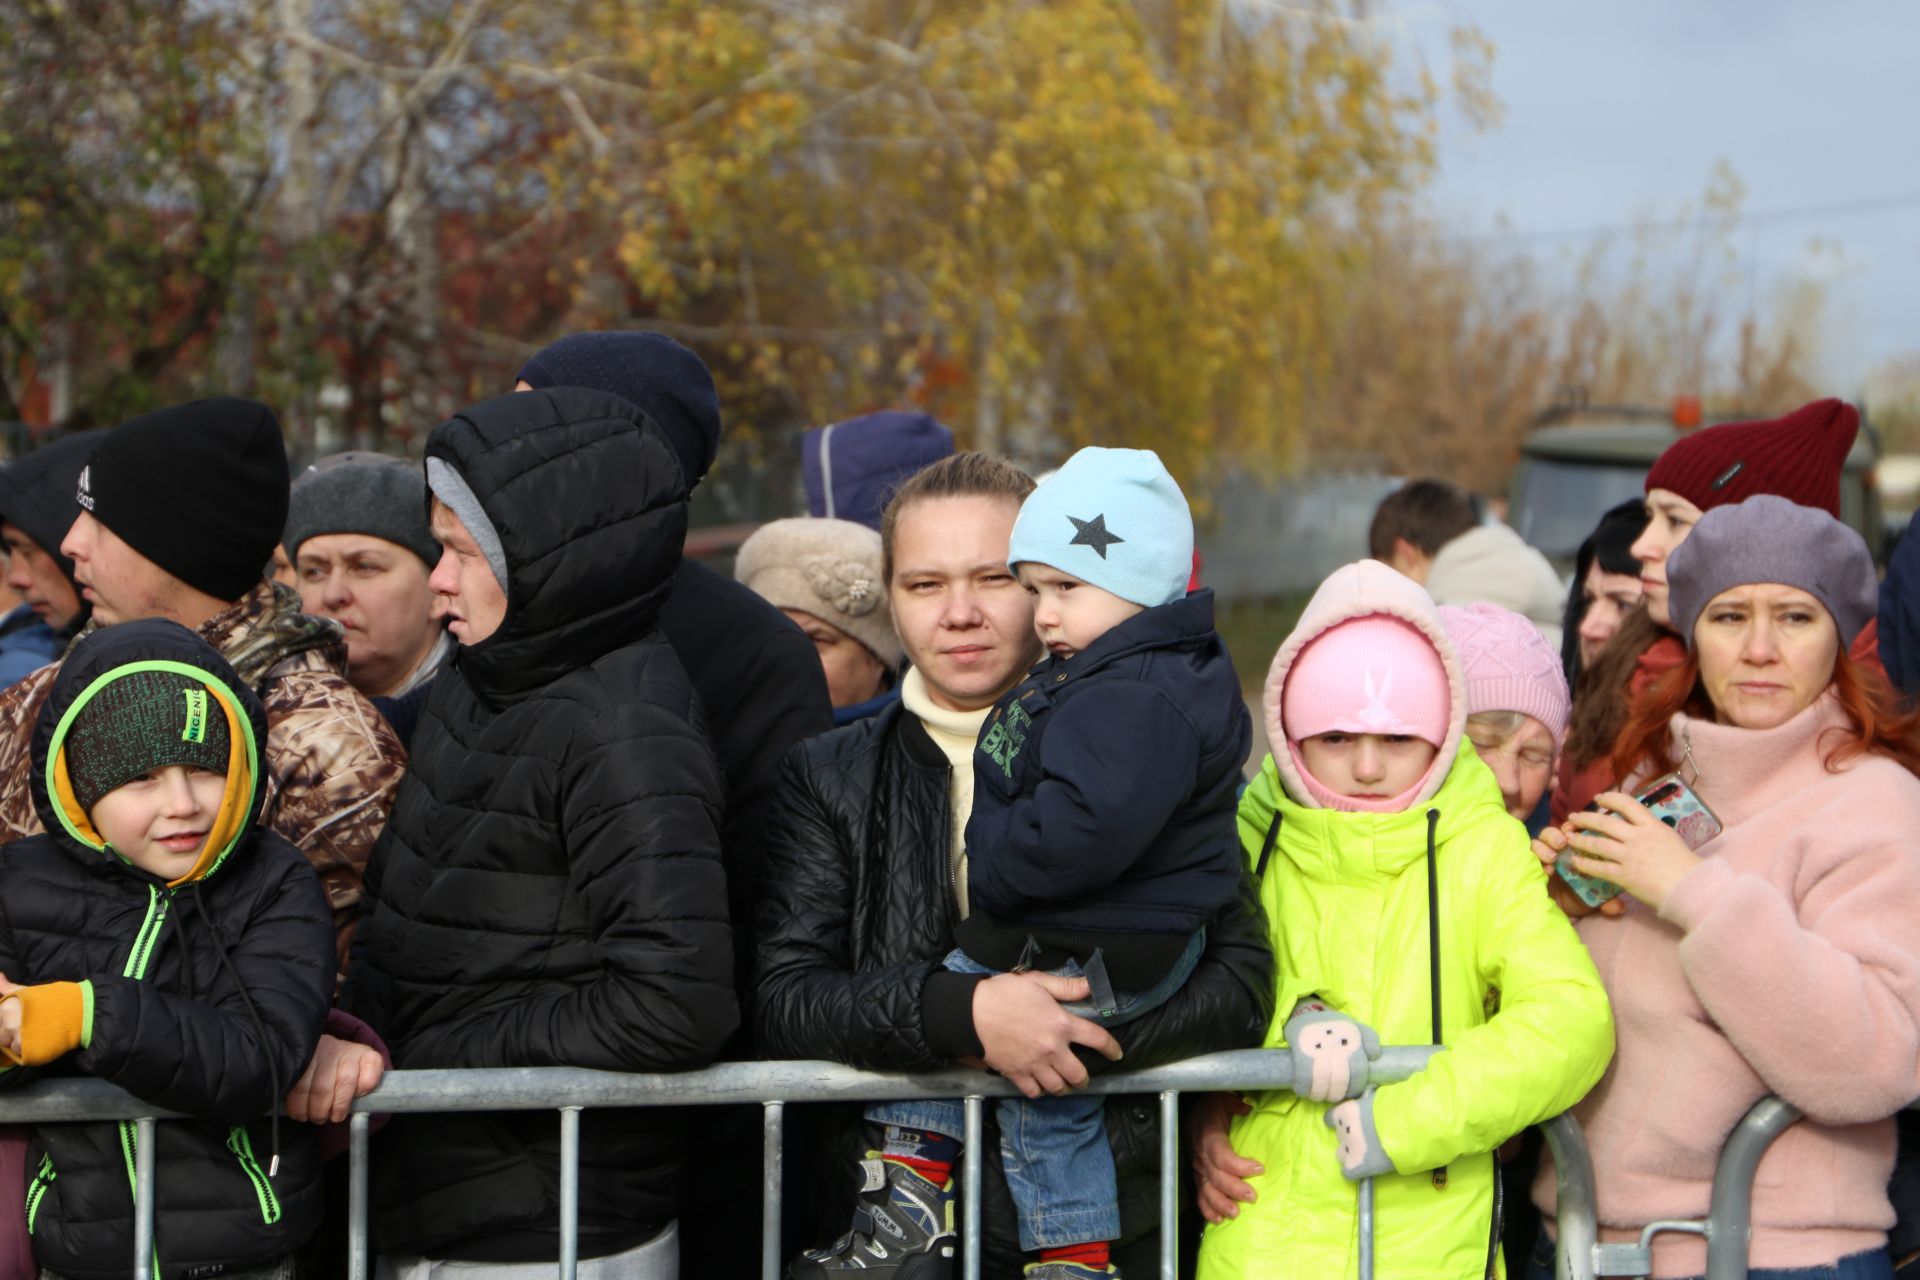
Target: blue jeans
[(1874, 1264), (1054, 1150)]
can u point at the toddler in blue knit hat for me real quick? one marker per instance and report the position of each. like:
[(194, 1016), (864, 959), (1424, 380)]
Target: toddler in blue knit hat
[(1102, 838)]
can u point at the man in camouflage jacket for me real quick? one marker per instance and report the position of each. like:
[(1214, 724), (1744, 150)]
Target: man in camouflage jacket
[(180, 512)]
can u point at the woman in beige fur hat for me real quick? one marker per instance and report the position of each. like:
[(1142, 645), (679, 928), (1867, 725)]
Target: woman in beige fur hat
[(826, 576)]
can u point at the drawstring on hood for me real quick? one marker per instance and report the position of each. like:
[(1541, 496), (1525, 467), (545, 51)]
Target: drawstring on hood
[(1433, 918)]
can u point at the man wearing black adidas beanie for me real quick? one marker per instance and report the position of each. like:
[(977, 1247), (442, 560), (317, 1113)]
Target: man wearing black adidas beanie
[(179, 513), (175, 508)]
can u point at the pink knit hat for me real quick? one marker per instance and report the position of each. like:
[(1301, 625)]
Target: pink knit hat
[(1508, 665), (1372, 674)]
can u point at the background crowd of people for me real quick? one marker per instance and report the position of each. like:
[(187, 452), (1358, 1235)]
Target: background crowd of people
[(953, 770)]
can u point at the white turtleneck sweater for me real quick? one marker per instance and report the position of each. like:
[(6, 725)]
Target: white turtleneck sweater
[(955, 733)]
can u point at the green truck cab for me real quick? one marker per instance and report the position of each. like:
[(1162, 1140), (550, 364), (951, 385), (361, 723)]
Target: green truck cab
[(1572, 471)]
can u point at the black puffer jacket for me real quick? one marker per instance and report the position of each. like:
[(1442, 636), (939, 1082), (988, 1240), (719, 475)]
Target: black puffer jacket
[(549, 891), (762, 688), (857, 911), (171, 1022)]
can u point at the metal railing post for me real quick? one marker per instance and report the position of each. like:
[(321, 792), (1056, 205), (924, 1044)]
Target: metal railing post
[(1365, 1193), (143, 1139), (1730, 1211), (358, 1252), (1169, 1184), (1576, 1208), (771, 1139), (970, 1164), (569, 1192)]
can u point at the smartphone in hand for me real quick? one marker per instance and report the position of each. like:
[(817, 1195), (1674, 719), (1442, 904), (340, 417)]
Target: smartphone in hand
[(1590, 889), (1669, 799)]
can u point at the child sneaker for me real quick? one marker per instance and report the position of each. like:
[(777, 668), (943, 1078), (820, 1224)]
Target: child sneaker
[(903, 1229)]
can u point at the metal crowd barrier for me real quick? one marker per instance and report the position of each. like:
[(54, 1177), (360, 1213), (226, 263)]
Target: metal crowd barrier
[(771, 1085), (1727, 1228)]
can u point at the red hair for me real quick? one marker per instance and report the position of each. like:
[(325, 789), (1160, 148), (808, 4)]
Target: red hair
[(1877, 724)]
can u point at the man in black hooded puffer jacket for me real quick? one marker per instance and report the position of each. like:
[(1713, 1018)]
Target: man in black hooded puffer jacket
[(549, 891)]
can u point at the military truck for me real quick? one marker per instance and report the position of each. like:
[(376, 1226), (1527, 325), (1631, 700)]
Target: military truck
[(1579, 462)]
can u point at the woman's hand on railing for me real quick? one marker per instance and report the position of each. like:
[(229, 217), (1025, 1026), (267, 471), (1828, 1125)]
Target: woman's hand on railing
[(1219, 1176), (1027, 1037), (339, 1072)]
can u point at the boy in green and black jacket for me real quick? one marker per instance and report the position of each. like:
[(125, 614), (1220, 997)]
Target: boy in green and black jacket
[(155, 939)]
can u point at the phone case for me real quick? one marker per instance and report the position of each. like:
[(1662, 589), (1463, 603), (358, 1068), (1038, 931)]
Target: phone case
[(1669, 799), (1590, 890), (1672, 801)]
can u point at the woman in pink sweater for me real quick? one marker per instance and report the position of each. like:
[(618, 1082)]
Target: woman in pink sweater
[(1784, 956)]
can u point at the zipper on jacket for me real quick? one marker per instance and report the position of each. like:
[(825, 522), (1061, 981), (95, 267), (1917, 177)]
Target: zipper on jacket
[(953, 859), (143, 946), (37, 1190), (143, 941), (242, 1147)]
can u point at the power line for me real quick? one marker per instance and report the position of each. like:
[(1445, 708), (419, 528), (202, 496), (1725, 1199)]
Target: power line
[(1759, 218)]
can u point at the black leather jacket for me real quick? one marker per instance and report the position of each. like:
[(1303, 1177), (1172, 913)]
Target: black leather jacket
[(856, 912)]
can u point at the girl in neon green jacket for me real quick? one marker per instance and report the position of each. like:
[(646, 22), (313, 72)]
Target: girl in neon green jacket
[(1372, 828)]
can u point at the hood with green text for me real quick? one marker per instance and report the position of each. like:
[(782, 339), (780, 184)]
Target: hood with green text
[(112, 716)]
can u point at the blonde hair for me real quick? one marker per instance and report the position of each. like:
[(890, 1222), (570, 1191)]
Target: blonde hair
[(961, 475)]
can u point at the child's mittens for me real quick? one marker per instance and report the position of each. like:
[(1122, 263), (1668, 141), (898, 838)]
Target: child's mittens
[(53, 1018), (1331, 1052), (1360, 1152)]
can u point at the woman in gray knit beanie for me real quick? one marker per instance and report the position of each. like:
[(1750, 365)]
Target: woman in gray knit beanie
[(825, 575), (361, 549)]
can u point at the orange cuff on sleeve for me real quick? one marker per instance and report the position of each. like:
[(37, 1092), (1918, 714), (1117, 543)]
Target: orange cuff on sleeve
[(53, 1020)]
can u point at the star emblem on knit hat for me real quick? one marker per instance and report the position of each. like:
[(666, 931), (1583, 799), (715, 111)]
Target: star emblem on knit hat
[(1093, 533)]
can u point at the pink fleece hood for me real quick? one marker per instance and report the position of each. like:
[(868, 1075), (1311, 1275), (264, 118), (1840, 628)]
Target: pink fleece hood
[(1363, 589)]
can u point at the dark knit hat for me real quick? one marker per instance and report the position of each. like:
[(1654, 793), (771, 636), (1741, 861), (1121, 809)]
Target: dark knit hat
[(669, 383), (36, 491), (1798, 457), (199, 489), (366, 493), (853, 468), (142, 721), (1768, 539)]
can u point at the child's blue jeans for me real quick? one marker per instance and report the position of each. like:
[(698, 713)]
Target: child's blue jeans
[(1054, 1150)]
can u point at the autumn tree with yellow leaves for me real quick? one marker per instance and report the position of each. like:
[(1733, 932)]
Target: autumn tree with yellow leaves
[(1048, 222)]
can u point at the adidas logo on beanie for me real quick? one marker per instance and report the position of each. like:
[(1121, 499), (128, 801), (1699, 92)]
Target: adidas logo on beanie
[(199, 489)]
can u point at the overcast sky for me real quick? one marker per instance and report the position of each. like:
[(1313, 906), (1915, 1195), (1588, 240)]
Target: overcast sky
[(1618, 110)]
